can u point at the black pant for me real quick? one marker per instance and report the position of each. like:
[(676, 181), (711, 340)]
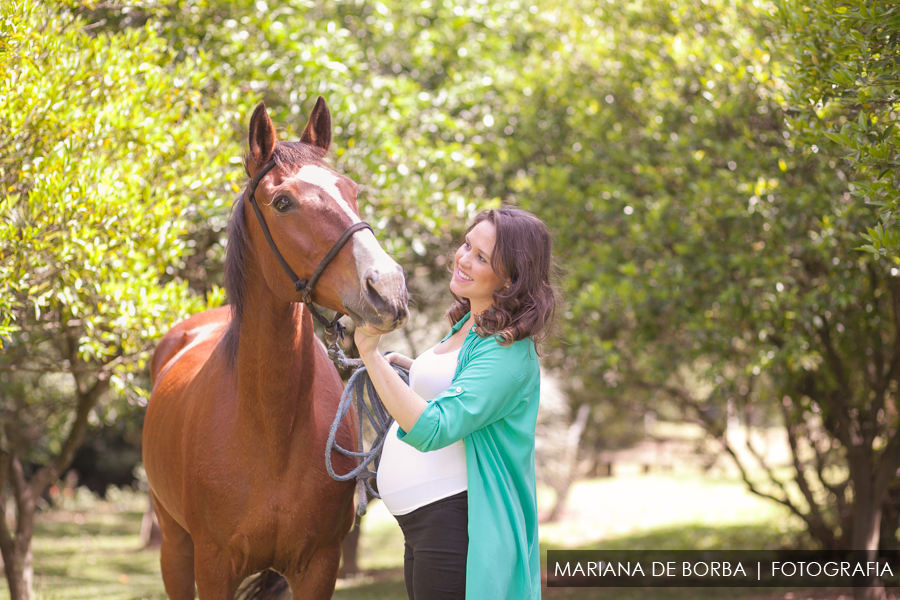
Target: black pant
[(437, 540)]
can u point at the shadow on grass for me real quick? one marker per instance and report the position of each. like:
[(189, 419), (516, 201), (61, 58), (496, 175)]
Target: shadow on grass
[(705, 537), (386, 584), (112, 524)]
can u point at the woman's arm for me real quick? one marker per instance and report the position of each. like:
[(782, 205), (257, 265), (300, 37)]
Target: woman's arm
[(404, 404), (402, 361), (495, 381)]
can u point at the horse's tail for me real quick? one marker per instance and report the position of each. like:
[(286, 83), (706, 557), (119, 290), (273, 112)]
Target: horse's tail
[(268, 585)]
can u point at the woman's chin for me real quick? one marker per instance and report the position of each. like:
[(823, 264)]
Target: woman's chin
[(456, 290)]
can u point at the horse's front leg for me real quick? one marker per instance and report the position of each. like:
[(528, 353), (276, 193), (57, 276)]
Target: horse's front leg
[(176, 556), (316, 582), (219, 571)]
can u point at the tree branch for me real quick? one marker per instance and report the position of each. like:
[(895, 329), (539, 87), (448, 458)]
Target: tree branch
[(837, 364), (850, 437), (24, 500), (839, 490), (86, 402), (760, 459), (815, 511), (7, 542), (876, 369), (785, 501), (886, 468), (891, 374)]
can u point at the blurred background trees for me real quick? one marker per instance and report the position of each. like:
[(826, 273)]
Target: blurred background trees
[(710, 171)]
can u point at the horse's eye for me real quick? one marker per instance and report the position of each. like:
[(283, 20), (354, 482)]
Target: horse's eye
[(282, 203)]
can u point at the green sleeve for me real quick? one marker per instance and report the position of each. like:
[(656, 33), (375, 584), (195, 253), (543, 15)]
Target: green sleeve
[(487, 389)]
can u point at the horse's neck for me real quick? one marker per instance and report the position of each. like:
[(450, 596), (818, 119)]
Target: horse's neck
[(274, 367)]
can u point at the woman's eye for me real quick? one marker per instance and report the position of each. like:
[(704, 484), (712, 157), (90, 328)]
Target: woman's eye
[(281, 204), (481, 258)]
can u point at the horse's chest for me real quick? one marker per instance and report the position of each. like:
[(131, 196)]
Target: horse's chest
[(254, 476), (264, 494), (273, 524)]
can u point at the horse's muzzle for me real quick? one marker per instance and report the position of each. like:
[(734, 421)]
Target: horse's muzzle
[(383, 300)]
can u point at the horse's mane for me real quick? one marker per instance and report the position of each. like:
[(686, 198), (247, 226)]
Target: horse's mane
[(237, 252)]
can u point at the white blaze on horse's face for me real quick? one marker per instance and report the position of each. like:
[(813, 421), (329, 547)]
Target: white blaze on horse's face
[(380, 276), (327, 180)]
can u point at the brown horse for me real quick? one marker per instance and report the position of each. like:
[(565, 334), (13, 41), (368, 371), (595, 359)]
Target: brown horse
[(243, 396)]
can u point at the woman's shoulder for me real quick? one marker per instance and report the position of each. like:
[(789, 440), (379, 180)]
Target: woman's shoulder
[(521, 351)]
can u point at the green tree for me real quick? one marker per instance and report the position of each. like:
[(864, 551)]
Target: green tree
[(844, 78), (710, 254), (106, 143)]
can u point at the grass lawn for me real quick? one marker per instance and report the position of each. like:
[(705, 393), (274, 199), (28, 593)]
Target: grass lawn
[(90, 551)]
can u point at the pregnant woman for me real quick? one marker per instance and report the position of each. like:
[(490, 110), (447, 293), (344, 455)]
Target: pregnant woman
[(457, 469)]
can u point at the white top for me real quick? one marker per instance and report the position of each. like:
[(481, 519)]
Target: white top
[(407, 478)]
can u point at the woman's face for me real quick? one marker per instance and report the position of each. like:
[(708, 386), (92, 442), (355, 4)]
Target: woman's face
[(473, 278)]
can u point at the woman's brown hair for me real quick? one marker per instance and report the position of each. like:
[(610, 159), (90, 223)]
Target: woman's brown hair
[(522, 255)]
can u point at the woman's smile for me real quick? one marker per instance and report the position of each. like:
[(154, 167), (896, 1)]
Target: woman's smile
[(473, 276), (461, 275)]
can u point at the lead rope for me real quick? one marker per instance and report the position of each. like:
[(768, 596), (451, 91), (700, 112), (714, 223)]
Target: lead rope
[(358, 387)]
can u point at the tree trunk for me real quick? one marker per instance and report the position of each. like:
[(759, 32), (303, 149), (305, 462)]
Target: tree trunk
[(890, 518), (151, 534), (866, 525), (570, 463), (18, 559), (350, 551), (866, 533), (15, 542), (19, 567)]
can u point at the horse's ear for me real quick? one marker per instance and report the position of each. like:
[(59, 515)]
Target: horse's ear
[(318, 130), (262, 136)]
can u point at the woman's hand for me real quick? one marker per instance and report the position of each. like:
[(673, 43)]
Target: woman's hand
[(367, 338), (403, 403)]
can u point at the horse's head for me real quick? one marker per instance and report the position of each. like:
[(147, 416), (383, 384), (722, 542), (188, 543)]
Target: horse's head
[(307, 206)]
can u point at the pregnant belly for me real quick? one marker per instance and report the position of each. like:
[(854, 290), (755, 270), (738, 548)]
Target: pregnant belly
[(409, 479)]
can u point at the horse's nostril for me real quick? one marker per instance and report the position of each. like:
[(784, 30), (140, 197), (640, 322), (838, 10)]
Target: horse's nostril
[(373, 295)]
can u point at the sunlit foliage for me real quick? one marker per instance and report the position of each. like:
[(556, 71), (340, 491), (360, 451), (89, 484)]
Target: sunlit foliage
[(710, 251), (845, 91), (106, 143)]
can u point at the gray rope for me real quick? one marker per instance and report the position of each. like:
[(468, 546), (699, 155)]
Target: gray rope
[(358, 387)]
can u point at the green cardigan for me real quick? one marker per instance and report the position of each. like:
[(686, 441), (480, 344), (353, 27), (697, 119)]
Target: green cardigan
[(492, 406)]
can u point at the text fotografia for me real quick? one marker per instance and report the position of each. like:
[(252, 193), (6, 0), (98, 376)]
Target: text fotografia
[(724, 568)]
